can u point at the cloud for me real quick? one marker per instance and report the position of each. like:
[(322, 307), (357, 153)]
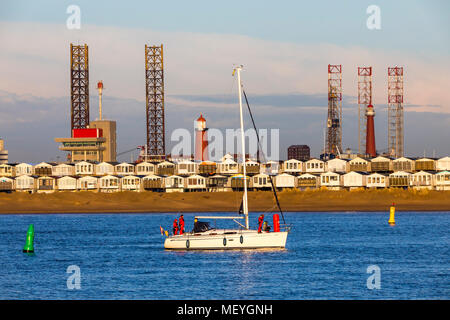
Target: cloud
[(35, 59)]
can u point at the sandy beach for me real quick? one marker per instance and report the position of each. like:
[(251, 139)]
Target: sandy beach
[(317, 200)]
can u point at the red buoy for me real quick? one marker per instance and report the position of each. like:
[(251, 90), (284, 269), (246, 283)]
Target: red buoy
[(276, 223)]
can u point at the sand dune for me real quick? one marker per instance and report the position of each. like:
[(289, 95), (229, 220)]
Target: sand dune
[(313, 200)]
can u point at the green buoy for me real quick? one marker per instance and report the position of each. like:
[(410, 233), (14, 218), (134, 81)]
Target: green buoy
[(29, 248)]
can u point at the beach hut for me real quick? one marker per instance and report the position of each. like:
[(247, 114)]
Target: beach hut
[(24, 169), (237, 182), (425, 164), (131, 183), (165, 168), (84, 168), (228, 167), (63, 169), (272, 168), (174, 183), (7, 170), (292, 166), (67, 183), (43, 169), (25, 183), (207, 168), (46, 184), (124, 169), (331, 180), (105, 168), (6, 184), (422, 180), (152, 182), (195, 183), (399, 179), (145, 168), (186, 168), (403, 164), (443, 164), (314, 166), (217, 183), (443, 180), (354, 179), (381, 164), (109, 183), (261, 182), (251, 167), (336, 165), (87, 183), (307, 180), (359, 164), (377, 180), (285, 181)]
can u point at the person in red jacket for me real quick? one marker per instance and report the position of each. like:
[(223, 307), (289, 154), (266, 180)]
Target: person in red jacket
[(181, 221), (175, 226), (260, 222)]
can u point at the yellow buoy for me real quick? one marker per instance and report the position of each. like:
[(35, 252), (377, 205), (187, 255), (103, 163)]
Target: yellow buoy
[(392, 216)]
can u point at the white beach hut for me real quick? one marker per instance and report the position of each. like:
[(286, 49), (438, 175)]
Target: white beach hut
[(195, 183), (84, 168), (422, 180), (292, 166), (25, 183), (145, 168), (331, 180), (354, 179), (87, 183), (377, 180), (130, 183), (285, 180), (67, 183), (443, 180), (314, 166), (124, 169), (105, 168), (109, 183), (24, 169)]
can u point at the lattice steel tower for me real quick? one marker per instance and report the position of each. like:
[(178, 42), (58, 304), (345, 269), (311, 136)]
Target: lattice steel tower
[(333, 143), (79, 86), (395, 112), (154, 88), (364, 99)]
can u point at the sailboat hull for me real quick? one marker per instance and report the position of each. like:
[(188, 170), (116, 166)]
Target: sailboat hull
[(227, 240)]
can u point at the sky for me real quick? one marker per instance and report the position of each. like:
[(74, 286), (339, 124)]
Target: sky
[(285, 47)]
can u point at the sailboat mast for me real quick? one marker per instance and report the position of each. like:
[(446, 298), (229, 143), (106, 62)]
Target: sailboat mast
[(245, 200)]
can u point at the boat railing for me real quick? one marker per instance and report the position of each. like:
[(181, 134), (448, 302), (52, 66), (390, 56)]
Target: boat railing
[(286, 227)]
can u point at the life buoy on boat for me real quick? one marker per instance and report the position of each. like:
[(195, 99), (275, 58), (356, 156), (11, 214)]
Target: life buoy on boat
[(224, 241), (187, 244)]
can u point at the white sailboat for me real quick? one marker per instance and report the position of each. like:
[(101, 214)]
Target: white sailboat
[(204, 237)]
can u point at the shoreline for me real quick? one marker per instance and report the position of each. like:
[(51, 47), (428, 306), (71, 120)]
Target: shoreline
[(259, 201)]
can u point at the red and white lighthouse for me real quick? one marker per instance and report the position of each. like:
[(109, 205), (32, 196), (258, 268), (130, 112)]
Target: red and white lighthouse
[(370, 134), (201, 139)]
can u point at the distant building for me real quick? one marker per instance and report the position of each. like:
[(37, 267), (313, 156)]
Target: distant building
[(3, 153), (299, 152), (84, 145)]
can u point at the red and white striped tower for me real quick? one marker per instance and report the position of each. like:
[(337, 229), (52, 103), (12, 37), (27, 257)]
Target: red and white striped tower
[(201, 139), (364, 100), (370, 133)]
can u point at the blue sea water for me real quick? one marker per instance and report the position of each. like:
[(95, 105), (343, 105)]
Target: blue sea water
[(121, 256)]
